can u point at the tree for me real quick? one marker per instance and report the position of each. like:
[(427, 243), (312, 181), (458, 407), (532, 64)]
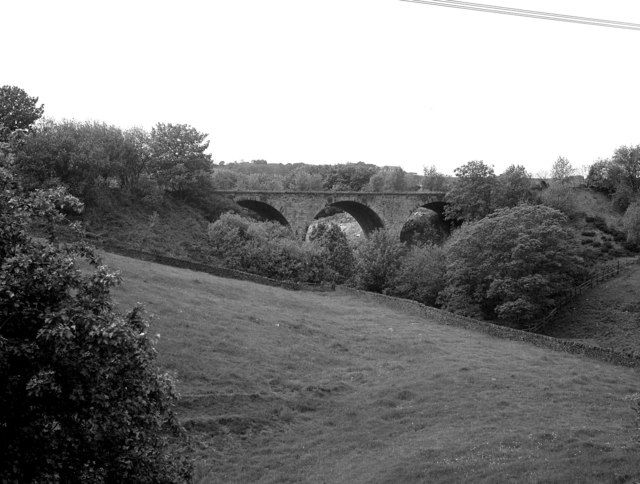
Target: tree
[(178, 159), (512, 265), (631, 221), (513, 187), (302, 180), (351, 177), (82, 155), (388, 179), (81, 394), (433, 180), (627, 158), (424, 227), (18, 111), (378, 259), (223, 179), (470, 198), (561, 170), (331, 238), (602, 176), (135, 158), (421, 274)]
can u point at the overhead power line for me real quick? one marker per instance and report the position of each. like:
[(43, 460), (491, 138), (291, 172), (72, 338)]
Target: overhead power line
[(518, 12)]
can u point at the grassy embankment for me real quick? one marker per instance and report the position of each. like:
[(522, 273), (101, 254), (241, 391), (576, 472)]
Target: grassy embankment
[(607, 315), (295, 386)]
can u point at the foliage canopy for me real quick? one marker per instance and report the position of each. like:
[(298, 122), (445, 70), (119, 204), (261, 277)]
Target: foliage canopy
[(470, 198), (18, 111), (512, 265), (82, 397)]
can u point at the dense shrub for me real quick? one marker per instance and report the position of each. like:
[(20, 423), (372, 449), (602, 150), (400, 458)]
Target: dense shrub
[(378, 260), (340, 260), (424, 227), (471, 196), (561, 198), (421, 274), (512, 265), (513, 187), (631, 221), (622, 197), (433, 180), (82, 398), (267, 249)]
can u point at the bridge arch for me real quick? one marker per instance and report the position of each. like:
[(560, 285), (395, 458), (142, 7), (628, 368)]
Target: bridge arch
[(264, 210), (366, 217), (426, 222)]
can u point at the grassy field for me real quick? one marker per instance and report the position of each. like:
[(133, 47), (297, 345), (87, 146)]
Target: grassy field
[(607, 315), (284, 386)]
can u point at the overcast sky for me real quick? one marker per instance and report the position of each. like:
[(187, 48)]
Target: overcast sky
[(328, 81)]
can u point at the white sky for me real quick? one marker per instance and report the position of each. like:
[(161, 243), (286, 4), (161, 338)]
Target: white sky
[(329, 81)]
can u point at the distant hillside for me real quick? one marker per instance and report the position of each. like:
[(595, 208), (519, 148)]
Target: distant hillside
[(325, 387)]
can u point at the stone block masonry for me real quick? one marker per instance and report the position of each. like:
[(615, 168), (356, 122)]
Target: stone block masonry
[(372, 210)]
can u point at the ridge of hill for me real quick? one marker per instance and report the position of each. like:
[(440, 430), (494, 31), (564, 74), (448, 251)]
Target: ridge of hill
[(297, 386)]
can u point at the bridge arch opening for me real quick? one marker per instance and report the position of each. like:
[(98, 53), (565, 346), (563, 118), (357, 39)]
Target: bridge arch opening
[(264, 211), (367, 219), (426, 225)]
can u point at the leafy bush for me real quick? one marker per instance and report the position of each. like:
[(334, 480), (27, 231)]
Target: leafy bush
[(331, 238), (588, 233), (631, 221), (378, 260), (561, 198), (267, 249), (513, 187), (82, 397), (421, 275), (622, 197), (470, 198), (424, 227), (512, 265)]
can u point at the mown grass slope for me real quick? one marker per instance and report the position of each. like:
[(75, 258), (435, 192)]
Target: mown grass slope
[(322, 387)]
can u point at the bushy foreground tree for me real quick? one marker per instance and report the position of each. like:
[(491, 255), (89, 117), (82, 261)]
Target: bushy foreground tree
[(512, 265), (81, 395)]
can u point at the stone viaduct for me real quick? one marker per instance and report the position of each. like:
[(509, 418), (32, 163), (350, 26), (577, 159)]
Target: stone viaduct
[(372, 210)]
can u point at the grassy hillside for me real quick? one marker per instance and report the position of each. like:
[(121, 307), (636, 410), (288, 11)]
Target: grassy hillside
[(607, 315), (295, 386), (164, 225)]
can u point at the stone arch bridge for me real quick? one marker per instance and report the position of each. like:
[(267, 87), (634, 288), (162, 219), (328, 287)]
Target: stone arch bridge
[(372, 210)]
